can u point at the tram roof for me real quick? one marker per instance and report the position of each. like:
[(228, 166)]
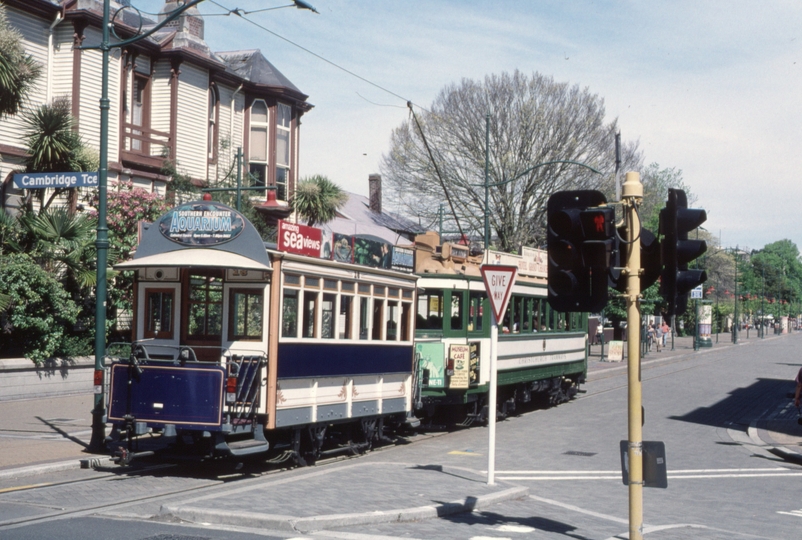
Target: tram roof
[(200, 257)]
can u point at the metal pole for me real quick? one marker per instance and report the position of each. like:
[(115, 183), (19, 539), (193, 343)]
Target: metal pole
[(96, 442), (735, 326), (491, 405), (696, 332), (632, 193), (602, 336), (239, 178), (762, 304), (487, 181)]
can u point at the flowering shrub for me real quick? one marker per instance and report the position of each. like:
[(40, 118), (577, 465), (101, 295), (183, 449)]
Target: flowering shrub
[(125, 208)]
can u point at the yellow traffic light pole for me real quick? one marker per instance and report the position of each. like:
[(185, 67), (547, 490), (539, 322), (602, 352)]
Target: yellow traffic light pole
[(632, 195)]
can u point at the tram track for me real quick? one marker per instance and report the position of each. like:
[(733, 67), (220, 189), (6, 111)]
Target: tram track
[(233, 473)]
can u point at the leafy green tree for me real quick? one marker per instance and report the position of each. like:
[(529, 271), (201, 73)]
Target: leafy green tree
[(317, 199), (41, 313), (780, 265), (656, 183), (18, 70)]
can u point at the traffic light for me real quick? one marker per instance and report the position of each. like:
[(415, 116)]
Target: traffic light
[(676, 281), (581, 239), (649, 261)]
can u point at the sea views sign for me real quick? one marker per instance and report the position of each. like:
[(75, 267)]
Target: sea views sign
[(55, 180), (201, 224), (361, 249)]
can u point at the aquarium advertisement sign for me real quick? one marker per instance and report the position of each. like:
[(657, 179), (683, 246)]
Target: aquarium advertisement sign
[(201, 224)]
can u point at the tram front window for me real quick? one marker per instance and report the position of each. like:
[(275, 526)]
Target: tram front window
[(430, 310), (205, 307), (159, 321), (246, 314)]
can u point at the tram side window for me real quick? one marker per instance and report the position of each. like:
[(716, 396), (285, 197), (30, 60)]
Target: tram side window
[(310, 313), (205, 307), (406, 309), (344, 324), (393, 320), (289, 314), (363, 318), (159, 313), (430, 310), (246, 314), (327, 316), (476, 312), (456, 310), (378, 317)]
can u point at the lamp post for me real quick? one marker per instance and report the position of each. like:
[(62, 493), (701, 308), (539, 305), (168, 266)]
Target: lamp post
[(96, 442), (102, 241)]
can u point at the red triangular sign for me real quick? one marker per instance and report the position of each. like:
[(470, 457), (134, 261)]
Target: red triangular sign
[(498, 284)]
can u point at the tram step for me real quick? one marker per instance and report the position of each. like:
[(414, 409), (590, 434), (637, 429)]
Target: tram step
[(248, 447)]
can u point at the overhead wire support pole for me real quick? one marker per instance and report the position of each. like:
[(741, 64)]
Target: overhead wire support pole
[(97, 440), (632, 195)]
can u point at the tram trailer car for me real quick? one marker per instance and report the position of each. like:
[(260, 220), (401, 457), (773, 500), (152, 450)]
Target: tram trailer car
[(239, 349), (540, 352)]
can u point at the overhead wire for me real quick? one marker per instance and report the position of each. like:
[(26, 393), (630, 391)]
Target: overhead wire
[(241, 14)]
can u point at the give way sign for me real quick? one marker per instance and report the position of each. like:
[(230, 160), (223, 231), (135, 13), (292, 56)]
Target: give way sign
[(498, 284)]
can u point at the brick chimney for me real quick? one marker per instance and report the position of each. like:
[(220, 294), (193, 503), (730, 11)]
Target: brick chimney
[(375, 188)]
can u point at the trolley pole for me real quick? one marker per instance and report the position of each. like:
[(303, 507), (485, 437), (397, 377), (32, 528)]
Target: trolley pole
[(632, 195)]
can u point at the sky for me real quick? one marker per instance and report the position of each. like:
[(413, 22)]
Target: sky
[(711, 88)]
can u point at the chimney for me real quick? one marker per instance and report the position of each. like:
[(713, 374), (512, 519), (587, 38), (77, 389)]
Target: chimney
[(375, 187)]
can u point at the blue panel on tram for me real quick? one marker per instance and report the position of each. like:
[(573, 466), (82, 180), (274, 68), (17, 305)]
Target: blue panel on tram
[(329, 359), (189, 397)]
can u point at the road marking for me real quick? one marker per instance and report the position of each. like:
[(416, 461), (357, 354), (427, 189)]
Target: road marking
[(676, 475), (578, 509), (463, 453), (796, 513), (23, 488)]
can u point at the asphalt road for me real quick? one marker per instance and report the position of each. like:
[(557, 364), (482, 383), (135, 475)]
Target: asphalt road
[(721, 482)]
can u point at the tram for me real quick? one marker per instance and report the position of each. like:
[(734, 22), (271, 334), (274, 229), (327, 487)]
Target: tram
[(541, 352), (239, 348)]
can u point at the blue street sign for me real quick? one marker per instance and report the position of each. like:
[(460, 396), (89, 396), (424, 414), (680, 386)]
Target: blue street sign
[(55, 180), (696, 292)]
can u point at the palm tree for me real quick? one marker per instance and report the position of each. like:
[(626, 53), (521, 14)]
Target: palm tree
[(317, 199), (62, 244), (53, 145), (17, 69)]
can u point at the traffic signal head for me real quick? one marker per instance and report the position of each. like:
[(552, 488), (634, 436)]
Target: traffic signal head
[(676, 280), (649, 260), (580, 240)]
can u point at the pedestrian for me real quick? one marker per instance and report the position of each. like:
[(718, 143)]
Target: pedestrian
[(650, 336), (798, 381), (666, 330), (658, 336)]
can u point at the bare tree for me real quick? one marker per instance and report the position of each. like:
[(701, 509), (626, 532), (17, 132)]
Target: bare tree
[(536, 127)]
